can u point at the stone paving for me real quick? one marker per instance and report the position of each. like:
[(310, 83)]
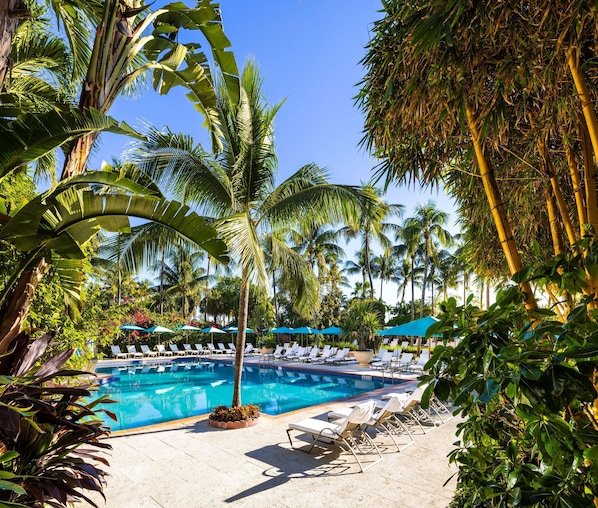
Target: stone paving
[(190, 464)]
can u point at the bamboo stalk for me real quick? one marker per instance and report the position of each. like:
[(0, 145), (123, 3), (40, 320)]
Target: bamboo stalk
[(577, 187), (555, 230), (589, 175), (557, 194), (497, 208)]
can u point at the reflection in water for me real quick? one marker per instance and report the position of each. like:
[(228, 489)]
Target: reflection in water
[(151, 394)]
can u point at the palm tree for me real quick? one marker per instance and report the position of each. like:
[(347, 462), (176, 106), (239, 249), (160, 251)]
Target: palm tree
[(372, 226), (317, 243), (384, 267), (183, 276), (426, 228), (237, 187)]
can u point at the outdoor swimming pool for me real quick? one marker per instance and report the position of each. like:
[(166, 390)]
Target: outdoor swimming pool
[(155, 393)]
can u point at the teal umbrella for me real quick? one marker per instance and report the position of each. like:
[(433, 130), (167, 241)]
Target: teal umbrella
[(417, 328), (129, 328), (335, 331), (281, 330), (304, 330), (211, 330), (159, 330)]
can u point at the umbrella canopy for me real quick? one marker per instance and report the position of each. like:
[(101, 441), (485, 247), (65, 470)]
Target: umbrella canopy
[(234, 329), (131, 328), (211, 329), (417, 328), (331, 330), (158, 329), (282, 329), (304, 330), (188, 328)]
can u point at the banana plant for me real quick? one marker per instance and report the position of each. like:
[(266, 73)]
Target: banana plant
[(55, 227)]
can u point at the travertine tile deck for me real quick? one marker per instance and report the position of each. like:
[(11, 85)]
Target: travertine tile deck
[(190, 464)]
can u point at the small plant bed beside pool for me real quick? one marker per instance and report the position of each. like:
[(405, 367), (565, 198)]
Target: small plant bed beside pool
[(240, 417)]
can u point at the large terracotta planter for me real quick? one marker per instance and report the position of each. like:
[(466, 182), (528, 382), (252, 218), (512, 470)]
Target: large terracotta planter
[(363, 357), (266, 350), (241, 424)]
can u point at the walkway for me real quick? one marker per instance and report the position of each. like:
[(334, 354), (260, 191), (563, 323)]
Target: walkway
[(189, 464)]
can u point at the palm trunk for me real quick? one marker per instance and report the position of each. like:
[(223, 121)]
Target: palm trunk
[(426, 263), (16, 305), (240, 345), (368, 267), (275, 298), (161, 289), (497, 208), (381, 286), (10, 13), (412, 289)]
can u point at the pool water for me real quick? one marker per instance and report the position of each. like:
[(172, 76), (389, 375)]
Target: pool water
[(150, 394)]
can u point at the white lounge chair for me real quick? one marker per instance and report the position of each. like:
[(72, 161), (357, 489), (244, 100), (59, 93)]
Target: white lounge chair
[(213, 350), (383, 419), (147, 351), (162, 350), (232, 347), (189, 350), (313, 354), (223, 349), (132, 350), (412, 413), (341, 356), (117, 353), (346, 433), (201, 351), (381, 352), (175, 349), (383, 363), (420, 363)]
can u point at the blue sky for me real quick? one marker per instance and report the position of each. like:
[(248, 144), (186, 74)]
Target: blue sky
[(309, 53)]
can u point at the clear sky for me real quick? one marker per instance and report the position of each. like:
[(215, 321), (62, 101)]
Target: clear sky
[(309, 53)]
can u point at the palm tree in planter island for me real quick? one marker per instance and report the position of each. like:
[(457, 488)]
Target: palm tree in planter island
[(362, 322), (237, 187)]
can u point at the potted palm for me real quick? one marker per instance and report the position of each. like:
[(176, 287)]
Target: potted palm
[(362, 322)]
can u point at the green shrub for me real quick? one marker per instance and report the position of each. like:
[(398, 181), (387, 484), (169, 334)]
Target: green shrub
[(529, 435)]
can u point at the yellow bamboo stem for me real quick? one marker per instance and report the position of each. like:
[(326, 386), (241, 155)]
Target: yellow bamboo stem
[(555, 230), (497, 209), (589, 175), (577, 187), (557, 194)]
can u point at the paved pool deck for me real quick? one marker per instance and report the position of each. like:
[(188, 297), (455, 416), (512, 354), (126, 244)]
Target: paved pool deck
[(189, 464)]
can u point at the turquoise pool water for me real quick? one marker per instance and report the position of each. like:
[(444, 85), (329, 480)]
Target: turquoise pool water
[(149, 394)]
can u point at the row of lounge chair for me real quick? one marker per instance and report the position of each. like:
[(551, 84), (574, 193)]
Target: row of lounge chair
[(396, 361), (394, 416), (327, 355), (174, 350)]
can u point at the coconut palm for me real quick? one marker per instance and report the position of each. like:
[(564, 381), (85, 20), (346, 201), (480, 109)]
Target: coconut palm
[(384, 267), (426, 228), (372, 226), (238, 188)]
